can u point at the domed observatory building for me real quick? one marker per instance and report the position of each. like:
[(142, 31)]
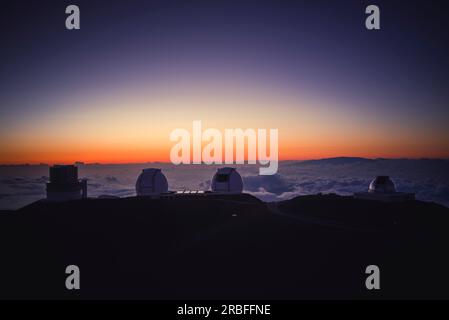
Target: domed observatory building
[(227, 180), (382, 189), (382, 184), (64, 184), (151, 182)]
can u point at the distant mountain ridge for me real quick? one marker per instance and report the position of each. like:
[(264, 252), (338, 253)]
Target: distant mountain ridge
[(332, 160), (354, 160), (338, 160)]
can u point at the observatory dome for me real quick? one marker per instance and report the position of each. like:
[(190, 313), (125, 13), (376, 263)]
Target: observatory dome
[(382, 184), (227, 180), (151, 181)]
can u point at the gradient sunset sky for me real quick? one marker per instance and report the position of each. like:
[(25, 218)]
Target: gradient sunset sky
[(113, 91)]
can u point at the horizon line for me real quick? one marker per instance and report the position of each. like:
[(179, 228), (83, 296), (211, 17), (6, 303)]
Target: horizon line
[(214, 164)]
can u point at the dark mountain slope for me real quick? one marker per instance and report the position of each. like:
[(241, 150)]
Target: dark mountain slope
[(224, 247)]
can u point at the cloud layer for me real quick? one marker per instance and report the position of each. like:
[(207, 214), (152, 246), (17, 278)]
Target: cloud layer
[(429, 179)]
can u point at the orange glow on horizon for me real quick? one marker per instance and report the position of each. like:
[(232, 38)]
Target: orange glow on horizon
[(123, 156), (135, 128)]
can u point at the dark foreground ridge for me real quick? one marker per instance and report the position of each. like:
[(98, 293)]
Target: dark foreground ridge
[(229, 247)]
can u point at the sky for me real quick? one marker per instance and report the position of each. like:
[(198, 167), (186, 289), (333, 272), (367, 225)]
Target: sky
[(113, 91)]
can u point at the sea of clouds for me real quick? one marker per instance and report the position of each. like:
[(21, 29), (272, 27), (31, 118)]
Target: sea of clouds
[(429, 179)]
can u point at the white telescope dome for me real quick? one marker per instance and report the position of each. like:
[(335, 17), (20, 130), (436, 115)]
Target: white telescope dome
[(227, 180), (382, 184), (151, 181)]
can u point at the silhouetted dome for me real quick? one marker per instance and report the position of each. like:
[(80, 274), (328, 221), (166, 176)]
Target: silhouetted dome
[(382, 184), (227, 180), (151, 181)]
